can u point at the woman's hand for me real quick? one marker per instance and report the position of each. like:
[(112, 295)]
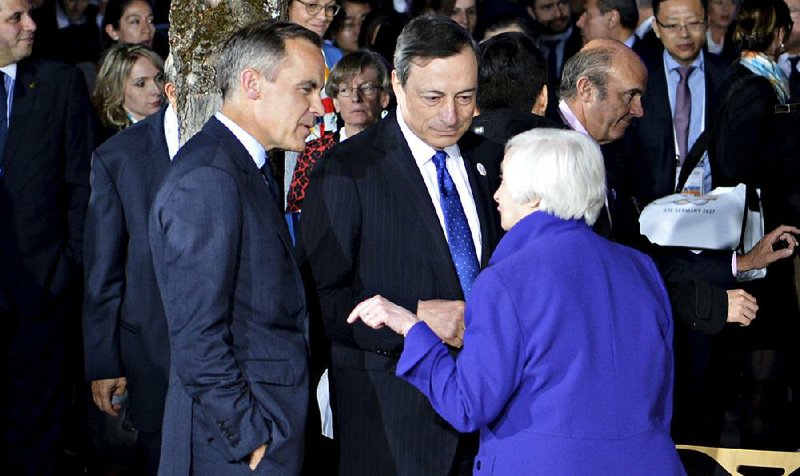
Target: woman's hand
[(378, 311)]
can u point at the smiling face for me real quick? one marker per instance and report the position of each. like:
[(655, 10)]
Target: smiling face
[(16, 31), (684, 42), (438, 99), (135, 25), (144, 89), (318, 23), (360, 110), (288, 106)]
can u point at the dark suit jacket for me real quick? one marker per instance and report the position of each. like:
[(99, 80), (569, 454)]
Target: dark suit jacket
[(573, 44), (500, 125), (73, 44), (44, 186), (369, 227), (696, 283), (124, 329), (235, 311)]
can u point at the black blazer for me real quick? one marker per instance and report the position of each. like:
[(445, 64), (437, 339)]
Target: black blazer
[(44, 187), (124, 329), (369, 227), (650, 142)]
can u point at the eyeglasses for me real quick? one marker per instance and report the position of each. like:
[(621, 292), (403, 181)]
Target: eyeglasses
[(366, 90), (314, 8), (675, 28)]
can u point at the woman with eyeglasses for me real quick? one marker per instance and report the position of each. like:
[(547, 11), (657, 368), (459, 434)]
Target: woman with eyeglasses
[(739, 151), (359, 86), (317, 15)]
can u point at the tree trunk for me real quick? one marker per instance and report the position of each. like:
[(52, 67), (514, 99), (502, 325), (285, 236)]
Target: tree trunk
[(198, 29)]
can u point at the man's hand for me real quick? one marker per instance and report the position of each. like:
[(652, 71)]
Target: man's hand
[(445, 318), (742, 307), (762, 253), (103, 390), (256, 456), (378, 311)]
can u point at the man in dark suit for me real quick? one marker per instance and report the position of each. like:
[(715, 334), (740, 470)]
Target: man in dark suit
[(612, 19), (402, 210), (232, 293), (560, 40), (512, 89), (46, 141), (124, 329), (790, 59), (601, 91)]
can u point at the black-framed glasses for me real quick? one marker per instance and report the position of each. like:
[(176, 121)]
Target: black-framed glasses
[(675, 28), (366, 90), (314, 8)]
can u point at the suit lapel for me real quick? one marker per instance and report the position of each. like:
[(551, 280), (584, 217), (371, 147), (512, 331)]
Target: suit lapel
[(661, 129), (405, 180), (481, 193), (253, 177), (26, 89), (158, 162)]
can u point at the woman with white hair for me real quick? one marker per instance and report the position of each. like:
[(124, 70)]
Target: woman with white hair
[(567, 365)]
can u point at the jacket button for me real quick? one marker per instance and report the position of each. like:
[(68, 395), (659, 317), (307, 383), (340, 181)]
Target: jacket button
[(478, 465)]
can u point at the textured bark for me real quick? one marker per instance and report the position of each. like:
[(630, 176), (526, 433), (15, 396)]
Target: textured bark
[(198, 28)]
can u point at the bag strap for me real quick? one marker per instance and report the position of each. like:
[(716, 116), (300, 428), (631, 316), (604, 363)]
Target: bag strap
[(700, 146)]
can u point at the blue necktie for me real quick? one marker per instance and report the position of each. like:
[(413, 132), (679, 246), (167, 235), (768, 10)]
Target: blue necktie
[(459, 235)]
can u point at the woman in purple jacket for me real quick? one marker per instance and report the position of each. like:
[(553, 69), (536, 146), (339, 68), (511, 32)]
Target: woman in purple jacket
[(567, 364)]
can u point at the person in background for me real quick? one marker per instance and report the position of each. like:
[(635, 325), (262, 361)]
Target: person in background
[(129, 22), (790, 59), (126, 348), (511, 23), (47, 134), (380, 31), (512, 88), (360, 88), (316, 15), (346, 26), (612, 19), (67, 31), (465, 13), (721, 14), (130, 86), (580, 350)]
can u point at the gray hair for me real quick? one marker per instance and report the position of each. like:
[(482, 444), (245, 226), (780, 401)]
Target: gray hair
[(429, 37), (563, 169), (593, 63), (261, 46)]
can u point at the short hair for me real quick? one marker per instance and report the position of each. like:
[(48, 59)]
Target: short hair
[(593, 63), (511, 72), (758, 22), (563, 169), (261, 46), (657, 6), (644, 3), (353, 64), (430, 37), (524, 23), (338, 21), (113, 14), (628, 13), (109, 91)]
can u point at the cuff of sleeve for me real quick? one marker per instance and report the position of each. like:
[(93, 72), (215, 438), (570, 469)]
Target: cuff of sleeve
[(419, 341), (734, 264)]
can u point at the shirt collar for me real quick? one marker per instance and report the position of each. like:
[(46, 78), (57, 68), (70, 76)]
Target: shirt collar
[(64, 21), (249, 142), (421, 151), (571, 119), (10, 70), (630, 41), (645, 27), (171, 131), (559, 37), (671, 65)]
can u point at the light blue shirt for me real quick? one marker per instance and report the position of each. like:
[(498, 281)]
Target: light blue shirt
[(253, 147), (697, 86), (10, 79)]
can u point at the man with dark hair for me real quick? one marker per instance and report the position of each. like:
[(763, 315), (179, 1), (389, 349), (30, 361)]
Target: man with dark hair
[(47, 134), (560, 40), (232, 294), (512, 93), (612, 19), (402, 210)]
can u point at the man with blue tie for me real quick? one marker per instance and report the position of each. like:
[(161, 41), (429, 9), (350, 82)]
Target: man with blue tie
[(46, 142), (402, 210)]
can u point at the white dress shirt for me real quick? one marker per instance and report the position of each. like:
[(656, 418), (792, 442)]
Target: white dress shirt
[(171, 131), (249, 142), (423, 156)]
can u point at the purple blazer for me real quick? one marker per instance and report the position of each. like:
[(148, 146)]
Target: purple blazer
[(567, 361)]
